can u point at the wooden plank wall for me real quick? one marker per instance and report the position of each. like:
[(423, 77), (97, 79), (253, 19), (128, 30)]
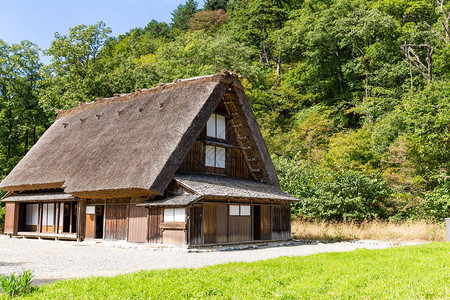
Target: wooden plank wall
[(90, 226), (266, 234), (137, 224), (154, 231), (281, 229), (11, 217), (116, 221), (240, 228), (209, 224), (194, 161), (195, 225), (221, 223)]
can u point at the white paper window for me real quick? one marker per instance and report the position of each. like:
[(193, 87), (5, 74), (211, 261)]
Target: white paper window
[(51, 210), (215, 156), (211, 126), (61, 214), (174, 214), (32, 214), (168, 215), (179, 214), (234, 210), (90, 210), (216, 126), (240, 210), (245, 210), (220, 157), (44, 213), (210, 156), (220, 127)]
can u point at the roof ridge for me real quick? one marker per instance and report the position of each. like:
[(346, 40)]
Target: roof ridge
[(82, 106)]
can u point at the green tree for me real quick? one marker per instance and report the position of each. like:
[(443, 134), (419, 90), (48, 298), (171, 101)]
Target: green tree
[(182, 14), (76, 73), (216, 5), (21, 118)]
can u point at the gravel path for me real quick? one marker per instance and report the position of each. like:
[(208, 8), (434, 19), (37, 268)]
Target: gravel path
[(53, 260)]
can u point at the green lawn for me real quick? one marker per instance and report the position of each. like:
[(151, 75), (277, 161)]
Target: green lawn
[(397, 273)]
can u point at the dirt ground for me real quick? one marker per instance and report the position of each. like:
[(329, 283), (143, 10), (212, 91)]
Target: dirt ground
[(53, 260)]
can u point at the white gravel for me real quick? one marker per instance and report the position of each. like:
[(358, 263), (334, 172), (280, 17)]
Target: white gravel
[(52, 260)]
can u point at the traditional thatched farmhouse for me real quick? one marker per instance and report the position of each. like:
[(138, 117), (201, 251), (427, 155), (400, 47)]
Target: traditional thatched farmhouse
[(181, 163)]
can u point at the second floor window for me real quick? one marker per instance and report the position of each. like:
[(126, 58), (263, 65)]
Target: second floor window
[(216, 127), (215, 157)]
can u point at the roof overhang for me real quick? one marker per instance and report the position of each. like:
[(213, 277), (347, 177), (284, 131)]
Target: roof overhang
[(39, 197), (230, 187), (181, 200)]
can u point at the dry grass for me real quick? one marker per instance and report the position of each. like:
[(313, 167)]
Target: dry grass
[(374, 230)]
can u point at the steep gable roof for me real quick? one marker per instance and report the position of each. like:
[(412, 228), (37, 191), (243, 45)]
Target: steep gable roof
[(131, 144)]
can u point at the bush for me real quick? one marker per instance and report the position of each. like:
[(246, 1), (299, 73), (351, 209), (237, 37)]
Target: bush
[(343, 195), (437, 204), (17, 285)]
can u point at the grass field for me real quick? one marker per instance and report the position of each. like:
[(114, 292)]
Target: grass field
[(373, 230), (414, 272)]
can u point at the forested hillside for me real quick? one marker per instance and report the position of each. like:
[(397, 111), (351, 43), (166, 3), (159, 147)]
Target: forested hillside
[(352, 97)]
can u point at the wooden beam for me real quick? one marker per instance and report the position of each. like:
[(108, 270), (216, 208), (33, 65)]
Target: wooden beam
[(81, 220)]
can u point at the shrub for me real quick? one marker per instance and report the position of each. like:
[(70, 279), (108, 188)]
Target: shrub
[(17, 284), (343, 195)]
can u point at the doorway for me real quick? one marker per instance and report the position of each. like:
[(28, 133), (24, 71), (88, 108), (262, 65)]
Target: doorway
[(94, 221), (257, 222)]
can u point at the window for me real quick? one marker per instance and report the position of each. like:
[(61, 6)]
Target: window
[(32, 214), (48, 214), (174, 215), (215, 157), (216, 126), (240, 210)]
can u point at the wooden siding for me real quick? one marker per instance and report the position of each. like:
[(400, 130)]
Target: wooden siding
[(240, 228), (11, 217), (116, 221), (154, 220), (137, 224), (209, 224), (281, 220), (175, 237), (194, 161), (221, 223), (195, 225), (90, 226), (265, 223)]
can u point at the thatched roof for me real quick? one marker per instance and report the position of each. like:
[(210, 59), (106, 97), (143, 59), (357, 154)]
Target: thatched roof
[(132, 144), (229, 187)]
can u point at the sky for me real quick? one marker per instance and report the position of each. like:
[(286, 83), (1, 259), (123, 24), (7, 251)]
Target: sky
[(38, 20)]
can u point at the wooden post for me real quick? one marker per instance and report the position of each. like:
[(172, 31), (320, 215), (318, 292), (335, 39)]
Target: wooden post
[(148, 225), (104, 220), (41, 209), (81, 220), (127, 221), (188, 227), (252, 220), (228, 220), (70, 217), (57, 206)]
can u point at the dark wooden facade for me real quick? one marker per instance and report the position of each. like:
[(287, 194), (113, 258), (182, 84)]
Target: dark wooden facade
[(206, 223)]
